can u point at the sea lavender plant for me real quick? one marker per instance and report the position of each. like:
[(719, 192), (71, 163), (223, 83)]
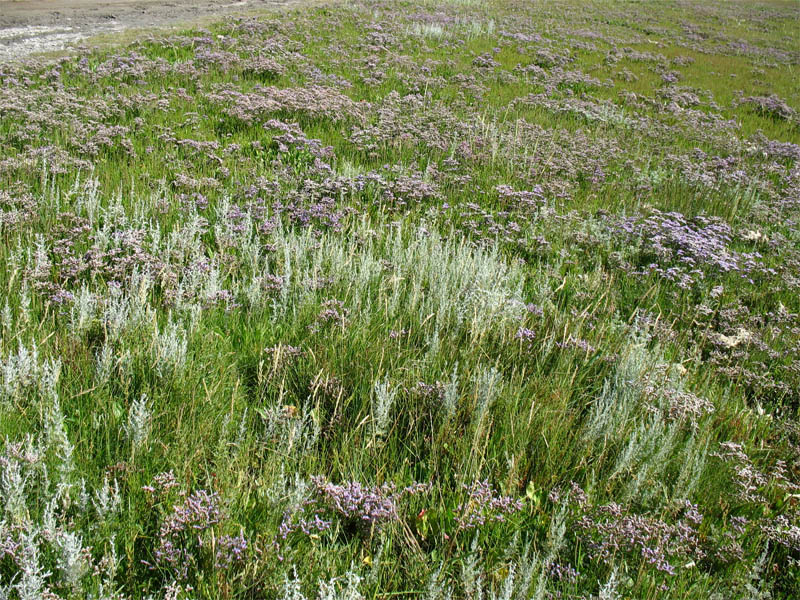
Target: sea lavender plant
[(231, 550), (484, 505), (181, 544)]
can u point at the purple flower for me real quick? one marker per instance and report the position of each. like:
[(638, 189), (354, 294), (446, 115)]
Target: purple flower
[(484, 504), (525, 335), (230, 550)]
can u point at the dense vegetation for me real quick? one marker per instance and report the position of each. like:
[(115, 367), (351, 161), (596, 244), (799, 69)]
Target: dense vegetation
[(390, 299)]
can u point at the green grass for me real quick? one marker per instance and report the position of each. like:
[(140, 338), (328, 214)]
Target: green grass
[(457, 238)]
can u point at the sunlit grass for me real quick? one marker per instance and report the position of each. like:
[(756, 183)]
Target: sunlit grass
[(423, 245)]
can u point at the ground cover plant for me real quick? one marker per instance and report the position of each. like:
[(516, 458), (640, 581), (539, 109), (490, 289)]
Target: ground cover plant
[(374, 299)]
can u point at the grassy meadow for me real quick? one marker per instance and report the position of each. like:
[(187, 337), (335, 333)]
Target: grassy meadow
[(442, 300)]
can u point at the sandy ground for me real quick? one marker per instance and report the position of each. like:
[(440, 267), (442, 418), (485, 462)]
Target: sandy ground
[(29, 26)]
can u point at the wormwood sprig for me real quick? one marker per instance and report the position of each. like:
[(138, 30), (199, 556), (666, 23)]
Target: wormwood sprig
[(139, 423), (382, 402)]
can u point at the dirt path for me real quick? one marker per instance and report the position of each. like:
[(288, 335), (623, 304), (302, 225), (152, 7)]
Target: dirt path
[(28, 26)]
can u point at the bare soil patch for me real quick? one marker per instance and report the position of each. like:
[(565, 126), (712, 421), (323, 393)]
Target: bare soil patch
[(30, 26)]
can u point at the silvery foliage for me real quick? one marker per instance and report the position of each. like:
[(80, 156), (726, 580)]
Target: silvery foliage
[(466, 286), (111, 363), (645, 455), (528, 565), (25, 471), (12, 490), (170, 348), (434, 344), (41, 263), (455, 285), (650, 439), (487, 388), (437, 589), (7, 318), (83, 311), (292, 433), (695, 455), (472, 574), (383, 397), (755, 587), (172, 591), (25, 304), (342, 588), (137, 427), (292, 588), (107, 499), (49, 521), (288, 493), (621, 394), (57, 439), (507, 589), (555, 542), (24, 371), (104, 362), (87, 198), (609, 589), (450, 399), (128, 307), (522, 571), (72, 561), (109, 566), (31, 584), (427, 30)]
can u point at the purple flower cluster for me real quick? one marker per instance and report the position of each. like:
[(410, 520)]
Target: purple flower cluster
[(611, 532), (574, 343), (686, 250), (360, 508), (608, 531), (770, 106), (561, 572), (162, 483), (429, 391), (199, 511), (484, 504), (782, 531), (526, 336), (186, 536), (257, 106), (680, 405), (291, 138), (231, 550), (312, 526), (752, 482), (354, 502), (179, 536), (333, 312)]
